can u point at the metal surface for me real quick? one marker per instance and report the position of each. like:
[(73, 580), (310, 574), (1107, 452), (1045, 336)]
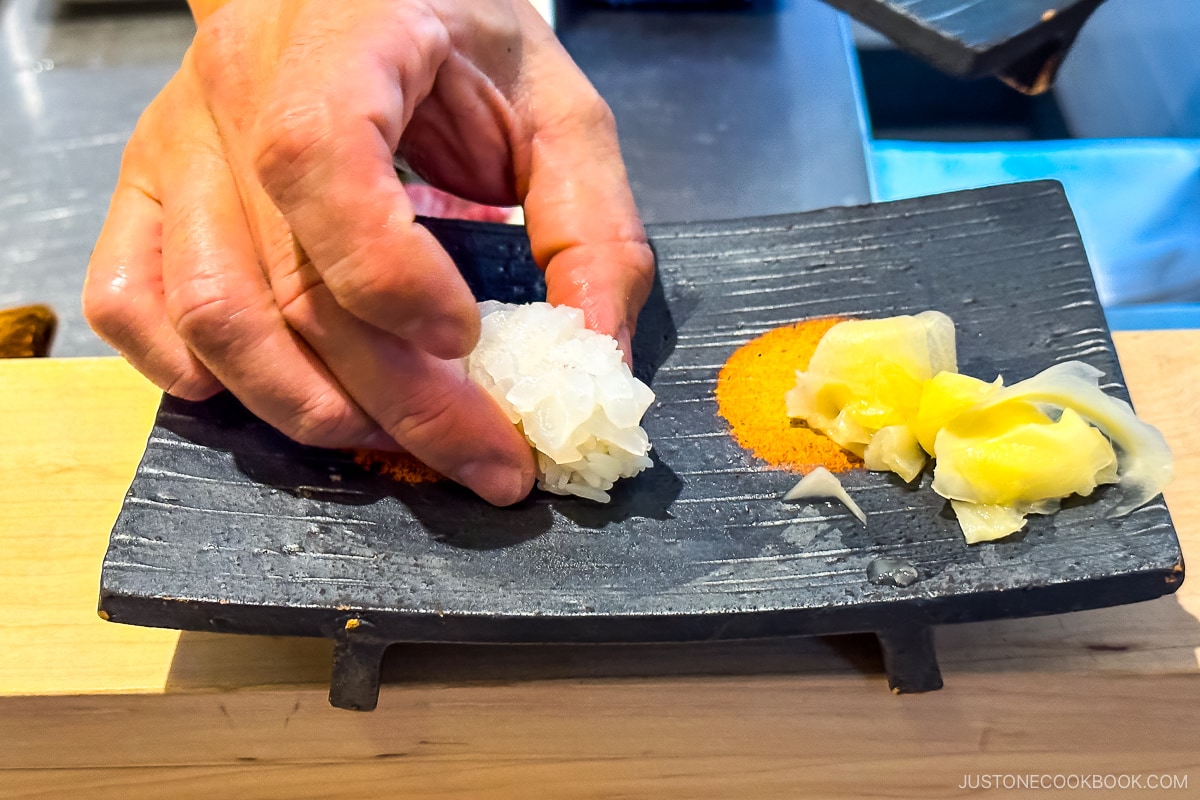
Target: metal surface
[(726, 114), (231, 527), (73, 81), (722, 115)]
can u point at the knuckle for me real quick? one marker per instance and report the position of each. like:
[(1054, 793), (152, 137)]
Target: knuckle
[(105, 305), (363, 281), (145, 145), (283, 148), (641, 260), (602, 116), (425, 417), (429, 35), (637, 272), (299, 311), (641, 266), (201, 308), (218, 61), (578, 108), (326, 419), (594, 113), (209, 51), (358, 285)]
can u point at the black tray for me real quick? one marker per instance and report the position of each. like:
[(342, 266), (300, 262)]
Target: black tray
[(1021, 41), (230, 527)]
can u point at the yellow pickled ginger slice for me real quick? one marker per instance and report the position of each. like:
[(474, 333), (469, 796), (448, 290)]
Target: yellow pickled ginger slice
[(944, 397), (888, 390), (1144, 464), (1014, 455), (866, 375), (895, 448), (984, 523)]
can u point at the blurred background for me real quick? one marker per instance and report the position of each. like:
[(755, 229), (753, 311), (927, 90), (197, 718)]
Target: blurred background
[(754, 109)]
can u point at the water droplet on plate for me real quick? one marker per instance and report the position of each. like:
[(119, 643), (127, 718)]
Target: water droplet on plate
[(892, 572)]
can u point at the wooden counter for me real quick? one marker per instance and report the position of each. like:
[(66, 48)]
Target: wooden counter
[(93, 709)]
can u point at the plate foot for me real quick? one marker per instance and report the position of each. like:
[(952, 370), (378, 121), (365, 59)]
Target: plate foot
[(355, 682), (910, 659)]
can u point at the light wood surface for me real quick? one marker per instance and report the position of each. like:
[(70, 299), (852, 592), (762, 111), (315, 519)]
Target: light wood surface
[(93, 709)]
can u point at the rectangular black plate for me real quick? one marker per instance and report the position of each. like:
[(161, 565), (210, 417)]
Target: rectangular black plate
[(229, 526)]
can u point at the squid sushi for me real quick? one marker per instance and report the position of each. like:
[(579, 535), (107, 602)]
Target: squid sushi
[(568, 391)]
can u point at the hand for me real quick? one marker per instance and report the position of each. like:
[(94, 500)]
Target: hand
[(259, 240)]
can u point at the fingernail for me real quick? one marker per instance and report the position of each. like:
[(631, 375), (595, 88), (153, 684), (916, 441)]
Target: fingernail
[(499, 484), (444, 337)]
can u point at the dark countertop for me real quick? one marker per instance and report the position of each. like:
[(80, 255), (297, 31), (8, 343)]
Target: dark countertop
[(73, 81), (722, 114), (729, 113)]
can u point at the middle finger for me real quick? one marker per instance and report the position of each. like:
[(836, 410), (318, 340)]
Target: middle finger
[(221, 304)]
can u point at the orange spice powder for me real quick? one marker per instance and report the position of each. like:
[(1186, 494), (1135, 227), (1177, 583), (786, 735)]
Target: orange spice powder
[(401, 467), (750, 390)]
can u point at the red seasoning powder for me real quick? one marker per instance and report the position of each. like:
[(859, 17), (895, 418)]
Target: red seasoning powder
[(750, 390), (401, 467)]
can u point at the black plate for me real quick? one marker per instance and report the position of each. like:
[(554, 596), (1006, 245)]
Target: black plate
[(229, 526)]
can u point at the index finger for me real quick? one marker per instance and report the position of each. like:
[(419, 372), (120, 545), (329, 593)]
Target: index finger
[(324, 155)]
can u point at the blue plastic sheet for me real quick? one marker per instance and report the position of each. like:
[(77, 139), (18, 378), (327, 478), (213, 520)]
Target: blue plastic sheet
[(1137, 202)]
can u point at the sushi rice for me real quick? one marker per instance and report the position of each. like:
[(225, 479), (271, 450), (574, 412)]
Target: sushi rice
[(568, 390)]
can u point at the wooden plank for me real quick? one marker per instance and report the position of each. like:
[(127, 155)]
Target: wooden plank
[(763, 736), (71, 431), (91, 709)]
